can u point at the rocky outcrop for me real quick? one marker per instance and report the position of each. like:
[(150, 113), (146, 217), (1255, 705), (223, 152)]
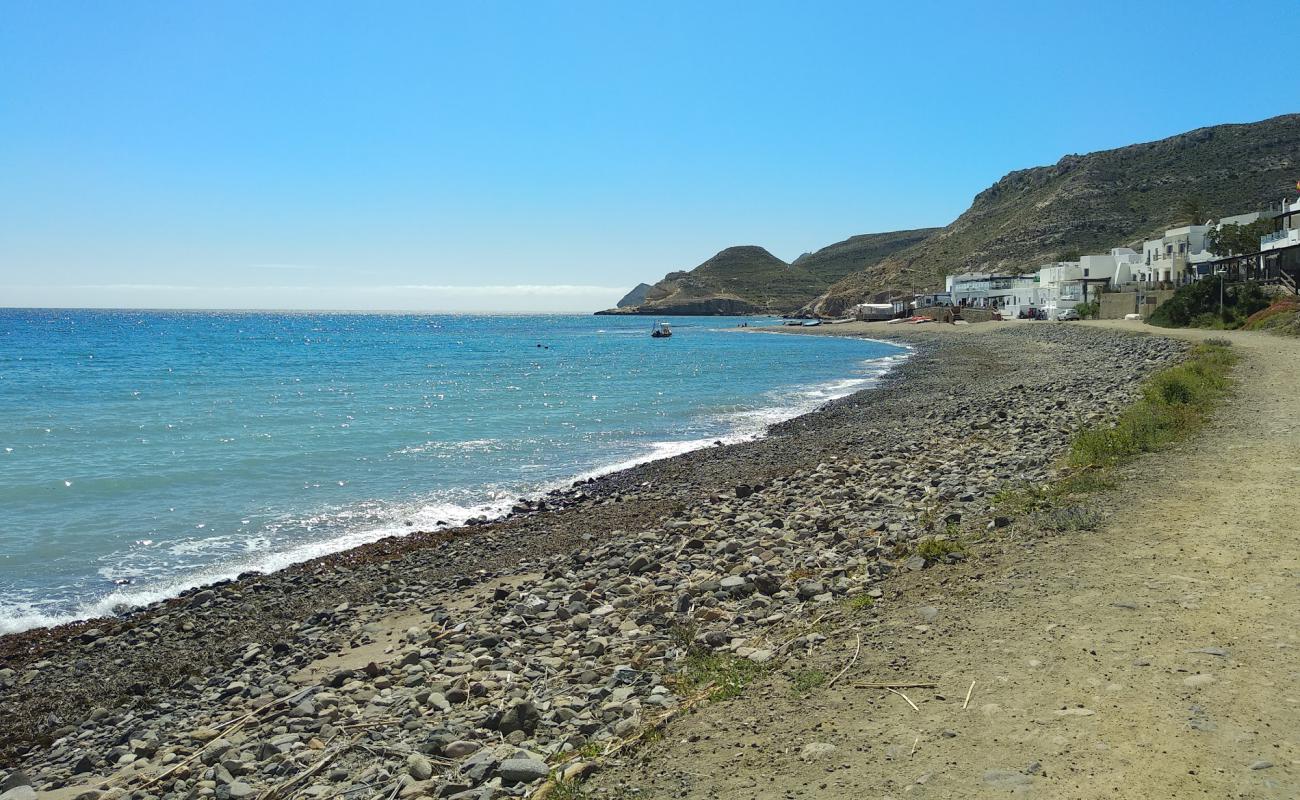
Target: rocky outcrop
[(699, 307), (635, 297)]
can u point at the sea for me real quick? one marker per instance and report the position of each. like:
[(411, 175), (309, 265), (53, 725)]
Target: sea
[(146, 452)]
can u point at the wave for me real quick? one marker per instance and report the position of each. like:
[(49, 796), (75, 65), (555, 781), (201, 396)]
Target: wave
[(367, 523), (21, 615)]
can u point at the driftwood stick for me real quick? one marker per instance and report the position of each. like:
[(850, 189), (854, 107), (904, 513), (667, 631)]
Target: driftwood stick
[(852, 661), (613, 748), (968, 691), (229, 728), (320, 764), (905, 697), (895, 685)]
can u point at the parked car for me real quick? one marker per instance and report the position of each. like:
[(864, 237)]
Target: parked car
[(1067, 314)]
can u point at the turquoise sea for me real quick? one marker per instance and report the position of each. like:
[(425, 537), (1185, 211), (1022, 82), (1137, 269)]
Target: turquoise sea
[(142, 453)]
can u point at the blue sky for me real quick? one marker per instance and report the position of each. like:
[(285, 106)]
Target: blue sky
[(545, 156)]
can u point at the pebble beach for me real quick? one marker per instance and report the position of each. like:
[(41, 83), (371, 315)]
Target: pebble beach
[(480, 662)]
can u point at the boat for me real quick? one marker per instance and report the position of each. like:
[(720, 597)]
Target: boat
[(661, 330), (811, 323)]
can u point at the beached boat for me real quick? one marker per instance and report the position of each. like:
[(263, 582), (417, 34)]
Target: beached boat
[(661, 330)]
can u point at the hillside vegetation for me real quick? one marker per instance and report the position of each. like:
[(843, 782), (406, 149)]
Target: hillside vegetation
[(1283, 317), (1091, 203), (1206, 304)]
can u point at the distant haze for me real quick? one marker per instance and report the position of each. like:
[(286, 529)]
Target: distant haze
[(540, 156), (554, 298)]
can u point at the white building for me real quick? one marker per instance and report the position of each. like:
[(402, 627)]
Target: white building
[(1173, 257), (1288, 233)]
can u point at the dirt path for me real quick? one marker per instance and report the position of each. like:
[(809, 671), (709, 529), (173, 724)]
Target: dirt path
[(1158, 657)]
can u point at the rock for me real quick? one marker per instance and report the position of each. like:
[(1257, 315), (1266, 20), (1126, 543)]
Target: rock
[(520, 717), (639, 564), (810, 589), (767, 584), (419, 767), (1262, 765), (461, 748), (15, 779), (522, 770), (1006, 779), (19, 793), (928, 613), (817, 750), (238, 790), (1199, 681), (479, 766)]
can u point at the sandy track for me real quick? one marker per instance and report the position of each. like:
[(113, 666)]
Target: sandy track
[(1158, 657)]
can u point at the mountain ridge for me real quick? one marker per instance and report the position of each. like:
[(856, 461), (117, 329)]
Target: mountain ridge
[(1092, 202), (747, 279), (1082, 203)]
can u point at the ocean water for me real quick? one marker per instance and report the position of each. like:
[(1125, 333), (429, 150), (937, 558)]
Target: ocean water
[(142, 453)]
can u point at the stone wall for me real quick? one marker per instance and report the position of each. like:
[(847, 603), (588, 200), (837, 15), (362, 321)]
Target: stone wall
[(1153, 300), (1114, 305), (942, 313)]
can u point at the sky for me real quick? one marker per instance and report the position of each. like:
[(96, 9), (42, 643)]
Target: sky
[(540, 156)]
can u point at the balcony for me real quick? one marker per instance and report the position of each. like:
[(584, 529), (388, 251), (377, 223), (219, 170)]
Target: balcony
[(1276, 241)]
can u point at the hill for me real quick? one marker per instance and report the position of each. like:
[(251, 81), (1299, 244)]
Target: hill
[(851, 255), (635, 297), (747, 279), (1091, 203)]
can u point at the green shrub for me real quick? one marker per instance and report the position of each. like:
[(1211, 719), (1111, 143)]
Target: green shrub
[(729, 674), (933, 549), (1173, 401), (860, 602), (1069, 518), (1282, 317), (805, 680), (1196, 305)]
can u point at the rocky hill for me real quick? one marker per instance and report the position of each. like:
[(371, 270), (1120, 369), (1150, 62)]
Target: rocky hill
[(1091, 203), (748, 279), (635, 297), (853, 254)]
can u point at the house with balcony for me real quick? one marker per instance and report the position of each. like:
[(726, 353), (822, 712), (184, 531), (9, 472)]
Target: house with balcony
[(1175, 257), (1279, 252)]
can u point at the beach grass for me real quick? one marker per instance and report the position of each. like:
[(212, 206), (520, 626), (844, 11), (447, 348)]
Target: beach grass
[(1174, 402)]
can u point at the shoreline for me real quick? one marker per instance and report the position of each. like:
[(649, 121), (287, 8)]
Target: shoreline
[(559, 494), (820, 510)]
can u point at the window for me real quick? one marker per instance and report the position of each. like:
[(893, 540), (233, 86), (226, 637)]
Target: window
[(1085, 272)]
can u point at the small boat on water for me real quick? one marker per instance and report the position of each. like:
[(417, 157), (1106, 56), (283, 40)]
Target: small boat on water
[(661, 330)]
